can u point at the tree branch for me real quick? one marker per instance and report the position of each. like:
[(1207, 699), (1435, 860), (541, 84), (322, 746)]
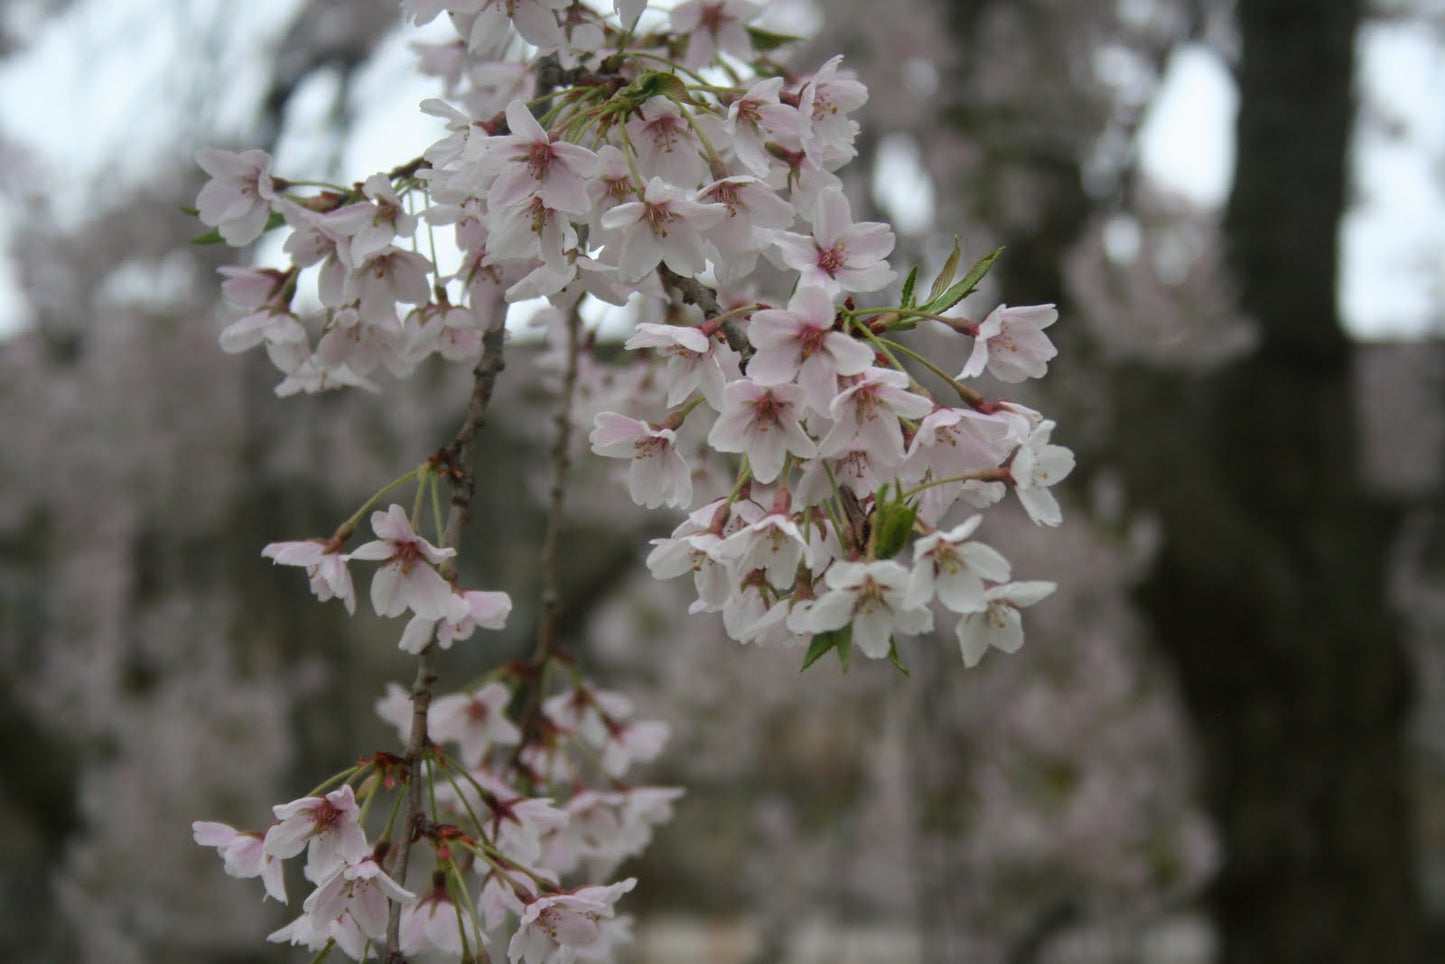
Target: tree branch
[(456, 459)]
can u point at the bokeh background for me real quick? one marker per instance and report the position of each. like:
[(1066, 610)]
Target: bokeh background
[(1225, 738)]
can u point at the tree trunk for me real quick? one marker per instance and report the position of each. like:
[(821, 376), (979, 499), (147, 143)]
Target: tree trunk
[(1270, 591)]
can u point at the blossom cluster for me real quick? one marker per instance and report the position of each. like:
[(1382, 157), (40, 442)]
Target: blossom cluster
[(667, 163), (499, 853)]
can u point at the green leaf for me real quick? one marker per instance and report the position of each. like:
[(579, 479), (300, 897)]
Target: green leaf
[(945, 276), (822, 642), (186, 209), (765, 40), (845, 647), (891, 523), (895, 659), (655, 83), (908, 284), (960, 291)]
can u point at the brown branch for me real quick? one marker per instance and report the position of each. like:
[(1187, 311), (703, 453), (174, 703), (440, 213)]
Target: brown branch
[(459, 473), (694, 292), (529, 718)]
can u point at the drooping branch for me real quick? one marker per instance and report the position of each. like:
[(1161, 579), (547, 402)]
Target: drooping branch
[(456, 462)]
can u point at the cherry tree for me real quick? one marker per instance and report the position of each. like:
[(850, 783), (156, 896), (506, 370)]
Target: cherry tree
[(671, 164)]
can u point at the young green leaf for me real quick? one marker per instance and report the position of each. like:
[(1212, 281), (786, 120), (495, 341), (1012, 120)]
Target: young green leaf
[(908, 284), (765, 40), (895, 659), (955, 294), (945, 276), (822, 642)]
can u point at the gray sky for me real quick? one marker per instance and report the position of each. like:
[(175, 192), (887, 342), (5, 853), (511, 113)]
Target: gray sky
[(97, 112)]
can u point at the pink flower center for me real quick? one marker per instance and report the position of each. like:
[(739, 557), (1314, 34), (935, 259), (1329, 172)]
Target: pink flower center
[(832, 260)]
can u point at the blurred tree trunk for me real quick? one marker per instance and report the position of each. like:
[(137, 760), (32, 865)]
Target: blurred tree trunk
[(1270, 593)]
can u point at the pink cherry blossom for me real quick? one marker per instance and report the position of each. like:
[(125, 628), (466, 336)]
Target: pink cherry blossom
[(554, 927), (1038, 465), (237, 199), (406, 578), (1012, 345), (946, 564), (839, 255), (867, 413), (872, 597), (658, 472), (695, 362), (999, 624), (800, 344), (245, 855), (325, 566), (665, 143), (474, 721), (664, 226), (762, 422), (529, 160), (328, 828)]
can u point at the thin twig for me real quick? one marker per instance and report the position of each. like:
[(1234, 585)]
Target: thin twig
[(546, 647), (694, 292), (458, 460)]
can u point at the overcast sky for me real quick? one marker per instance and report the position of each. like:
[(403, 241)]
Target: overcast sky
[(100, 113)]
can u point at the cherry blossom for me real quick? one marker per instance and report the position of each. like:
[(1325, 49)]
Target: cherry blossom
[(762, 422), (244, 853), (839, 255), (237, 199), (658, 474), (872, 597), (474, 721), (801, 344), (406, 578), (1011, 344), (946, 564), (325, 566), (999, 624), (1038, 465), (665, 226), (556, 926), (328, 828)]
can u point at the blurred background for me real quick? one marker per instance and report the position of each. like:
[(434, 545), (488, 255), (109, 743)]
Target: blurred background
[(1225, 738)]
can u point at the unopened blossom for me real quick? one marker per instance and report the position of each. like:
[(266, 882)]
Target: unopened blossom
[(328, 828), (555, 927), (658, 472), (244, 854), (762, 422), (666, 145), (1037, 465), (664, 226), (1012, 345), (237, 199), (949, 565), (866, 414), (801, 344), (530, 161), (713, 27), (325, 566), (407, 577), (999, 624), (839, 255), (872, 597), (466, 611), (474, 721)]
